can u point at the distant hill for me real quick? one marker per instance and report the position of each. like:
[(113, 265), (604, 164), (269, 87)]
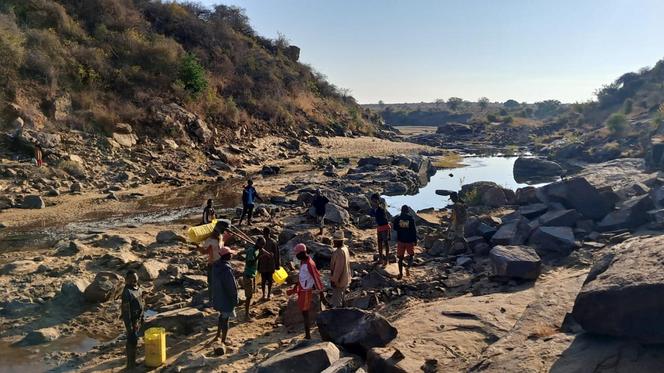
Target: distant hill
[(89, 64)]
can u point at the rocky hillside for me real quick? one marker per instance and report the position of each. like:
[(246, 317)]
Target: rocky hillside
[(88, 65)]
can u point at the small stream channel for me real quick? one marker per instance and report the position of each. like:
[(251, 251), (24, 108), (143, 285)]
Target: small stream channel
[(490, 168)]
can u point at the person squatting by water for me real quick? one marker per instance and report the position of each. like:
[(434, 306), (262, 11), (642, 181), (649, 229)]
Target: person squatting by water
[(308, 282), (383, 228), (459, 214), (250, 267), (340, 273), (404, 224), (224, 289), (249, 198), (268, 261), (208, 213), (132, 310)]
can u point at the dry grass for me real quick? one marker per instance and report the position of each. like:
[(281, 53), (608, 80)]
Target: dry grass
[(417, 130), (543, 331), (449, 160)]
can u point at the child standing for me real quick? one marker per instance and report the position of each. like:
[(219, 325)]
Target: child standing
[(132, 314), (308, 282)]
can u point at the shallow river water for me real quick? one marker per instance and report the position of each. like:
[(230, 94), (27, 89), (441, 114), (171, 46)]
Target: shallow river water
[(495, 169)]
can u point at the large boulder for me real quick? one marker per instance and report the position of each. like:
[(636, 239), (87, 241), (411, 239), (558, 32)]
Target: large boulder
[(359, 203), (350, 364), (512, 233), (33, 202), (301, 359), (150, 269), (73, 290), (622, 295), (555, 240), (165, 237), (106, 286), (355, 329), (633, 213), (535, 169), (333, 213), (374, 161), (516, 262), (533, 211), (125, 139), (291, 315), (488, 193), (576, 193), (559, 218)]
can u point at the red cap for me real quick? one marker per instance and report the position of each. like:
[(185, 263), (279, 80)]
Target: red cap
[(299, 248)]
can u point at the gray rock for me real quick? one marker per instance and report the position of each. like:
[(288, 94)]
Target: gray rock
[(149, 269), (33, 202), (106, 286), (395, 189), (526, 196), (359, 203), (533, 211), (576, 193), (374, 161), (555, 240), (74, 289), (39, 336), (516, 262), (632, 214), (535, 169), (165, 237), (439, 248), (19, 267), (512, 233), (559, 218), (333, 213), (292, 316), (301, 359), (622, 295), (345, 365), (354, 329)]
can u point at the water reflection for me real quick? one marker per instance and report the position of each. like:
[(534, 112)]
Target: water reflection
[(495, 169)]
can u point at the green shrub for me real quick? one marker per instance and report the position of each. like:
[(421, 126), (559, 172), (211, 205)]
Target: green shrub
[(492, 118), (617, 123), (75, 169), (472, 197), (627, 106), (192, 75)]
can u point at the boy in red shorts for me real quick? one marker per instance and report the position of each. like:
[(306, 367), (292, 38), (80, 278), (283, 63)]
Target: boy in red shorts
[(404, 224), (308, 282)]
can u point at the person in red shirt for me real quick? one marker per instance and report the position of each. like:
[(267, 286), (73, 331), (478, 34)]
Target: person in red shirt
[(308, 284)]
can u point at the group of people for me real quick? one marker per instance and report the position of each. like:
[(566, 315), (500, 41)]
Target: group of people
[(263, 256)]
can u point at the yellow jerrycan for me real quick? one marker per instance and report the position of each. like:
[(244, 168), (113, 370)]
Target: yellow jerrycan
[(279, 276), (155, 347)]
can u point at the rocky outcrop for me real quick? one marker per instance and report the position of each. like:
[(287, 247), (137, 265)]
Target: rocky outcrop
[(512, 233), (106, 286), (622, 295), (515, 262), (631, 214), (576, 193), (355, 329), (553, 240), (527, 169), (333, 213), (302, 359)]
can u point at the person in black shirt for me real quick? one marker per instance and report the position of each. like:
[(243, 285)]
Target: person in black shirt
[(208, 212), (404, 224), (383, 228), (249, 197), (320, 204), (132, 314)]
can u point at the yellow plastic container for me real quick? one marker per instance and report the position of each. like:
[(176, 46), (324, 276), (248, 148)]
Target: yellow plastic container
[(155, 347), (200, 233), (279, 276)]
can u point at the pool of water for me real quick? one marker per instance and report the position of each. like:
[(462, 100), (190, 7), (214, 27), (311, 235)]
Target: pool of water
[(31, 359), (496, 169)]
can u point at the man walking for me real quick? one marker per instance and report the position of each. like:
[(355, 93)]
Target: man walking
[(404, 224), (320, 205), (268, 262), (249, 198), (383, 228), (224, 288), (340, 273)]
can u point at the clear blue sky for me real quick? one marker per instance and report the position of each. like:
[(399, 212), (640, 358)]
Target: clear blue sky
[(421, 50)]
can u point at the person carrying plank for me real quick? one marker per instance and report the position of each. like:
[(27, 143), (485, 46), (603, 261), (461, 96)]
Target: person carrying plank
[(308, 282)]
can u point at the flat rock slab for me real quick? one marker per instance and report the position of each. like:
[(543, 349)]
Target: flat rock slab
[(622, 295), (355, 329), (515, 262), (308, 359)]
